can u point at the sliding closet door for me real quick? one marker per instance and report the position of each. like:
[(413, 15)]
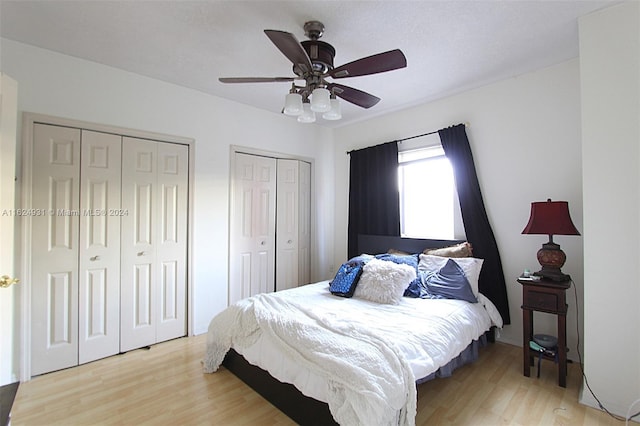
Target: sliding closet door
[(154, 246), (99, 256), (252, 241), (54, 255)]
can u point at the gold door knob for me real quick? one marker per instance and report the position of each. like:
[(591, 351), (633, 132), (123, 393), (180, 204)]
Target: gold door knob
[(6, 281)]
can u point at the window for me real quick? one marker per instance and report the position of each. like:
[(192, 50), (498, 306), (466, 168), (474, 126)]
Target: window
[(428, 199)]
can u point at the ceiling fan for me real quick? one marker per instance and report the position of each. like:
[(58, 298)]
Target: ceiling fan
[(313, 63)]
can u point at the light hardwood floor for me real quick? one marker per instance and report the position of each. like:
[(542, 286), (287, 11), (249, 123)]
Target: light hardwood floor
[(165, 385)]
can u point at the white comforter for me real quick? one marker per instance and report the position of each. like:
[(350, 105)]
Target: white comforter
[(368, 354)]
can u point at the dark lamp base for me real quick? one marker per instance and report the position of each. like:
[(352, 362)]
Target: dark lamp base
[(552, 258)]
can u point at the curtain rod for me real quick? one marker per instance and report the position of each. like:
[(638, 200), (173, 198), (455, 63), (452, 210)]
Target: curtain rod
[(466, 124)]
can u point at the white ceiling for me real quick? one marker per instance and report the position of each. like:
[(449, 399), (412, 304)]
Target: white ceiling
[(451, 46)]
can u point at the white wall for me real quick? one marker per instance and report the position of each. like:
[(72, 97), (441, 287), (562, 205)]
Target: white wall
[(525, 137), (610, 80), (63, 86)]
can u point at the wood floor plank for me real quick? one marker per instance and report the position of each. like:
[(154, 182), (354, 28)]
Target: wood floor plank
[(166, 385)]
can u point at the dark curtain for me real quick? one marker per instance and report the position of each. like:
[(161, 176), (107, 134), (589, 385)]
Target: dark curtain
[(374, 205), (476, 223)]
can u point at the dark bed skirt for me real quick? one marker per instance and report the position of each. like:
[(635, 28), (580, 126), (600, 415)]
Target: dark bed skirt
[(308, 411)]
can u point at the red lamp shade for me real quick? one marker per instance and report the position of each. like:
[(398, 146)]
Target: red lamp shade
[(551, 218)]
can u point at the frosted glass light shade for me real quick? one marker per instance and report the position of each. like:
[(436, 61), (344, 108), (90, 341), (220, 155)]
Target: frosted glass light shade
[(335, 113), (320, 100), (307, 116), (293, 104)]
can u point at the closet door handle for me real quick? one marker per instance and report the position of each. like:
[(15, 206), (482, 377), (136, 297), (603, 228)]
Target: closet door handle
[(263, 243), (94, 258), (141, 253)]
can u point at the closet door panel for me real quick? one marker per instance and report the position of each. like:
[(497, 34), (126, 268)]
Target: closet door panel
[(142, 298), (143, 214), (252, 229), (60, 309), (171, 252), (304, 224), (287, 224), (137, 291), (54, 266), (170, 290), (240, 275), (262, 272), (94, 323), (99, 273)]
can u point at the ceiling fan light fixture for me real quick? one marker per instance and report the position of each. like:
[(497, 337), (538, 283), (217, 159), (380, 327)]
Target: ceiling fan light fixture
[(335, 113), (293, 104), (320, 100), (307, 116), (312, 62)]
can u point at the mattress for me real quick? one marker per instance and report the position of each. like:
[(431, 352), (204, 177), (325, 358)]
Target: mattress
[(427, 332)]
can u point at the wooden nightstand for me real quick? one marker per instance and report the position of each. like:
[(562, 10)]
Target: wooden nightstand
[(550, 297)]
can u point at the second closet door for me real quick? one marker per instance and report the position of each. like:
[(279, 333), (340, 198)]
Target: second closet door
[(99, 254), (292, 224), (154, 246)]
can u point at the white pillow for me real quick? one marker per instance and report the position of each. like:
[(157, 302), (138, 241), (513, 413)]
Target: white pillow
[(471, 267), (384, 282)]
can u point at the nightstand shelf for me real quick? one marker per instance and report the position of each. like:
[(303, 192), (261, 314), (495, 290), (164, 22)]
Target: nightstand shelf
[(536, 354), (549, 297)]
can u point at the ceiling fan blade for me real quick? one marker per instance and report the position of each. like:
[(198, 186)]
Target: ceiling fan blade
[(255, 79), (374, 64), (355, 96), (291, 48)]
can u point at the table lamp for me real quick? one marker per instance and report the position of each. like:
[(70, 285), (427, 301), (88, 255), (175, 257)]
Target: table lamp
[(551, 218)]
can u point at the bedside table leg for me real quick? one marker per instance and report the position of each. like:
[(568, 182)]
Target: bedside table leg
[(562, 350), (527, 324)]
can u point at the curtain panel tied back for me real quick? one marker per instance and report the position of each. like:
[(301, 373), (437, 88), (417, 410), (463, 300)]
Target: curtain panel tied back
[(474, 216)]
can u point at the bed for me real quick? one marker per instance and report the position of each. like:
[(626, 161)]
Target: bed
[(326, 359)]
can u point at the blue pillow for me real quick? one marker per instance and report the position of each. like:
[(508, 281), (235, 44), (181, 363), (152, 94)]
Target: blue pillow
[(448, 283), (346, 279), (406, 259), (415, 288)]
